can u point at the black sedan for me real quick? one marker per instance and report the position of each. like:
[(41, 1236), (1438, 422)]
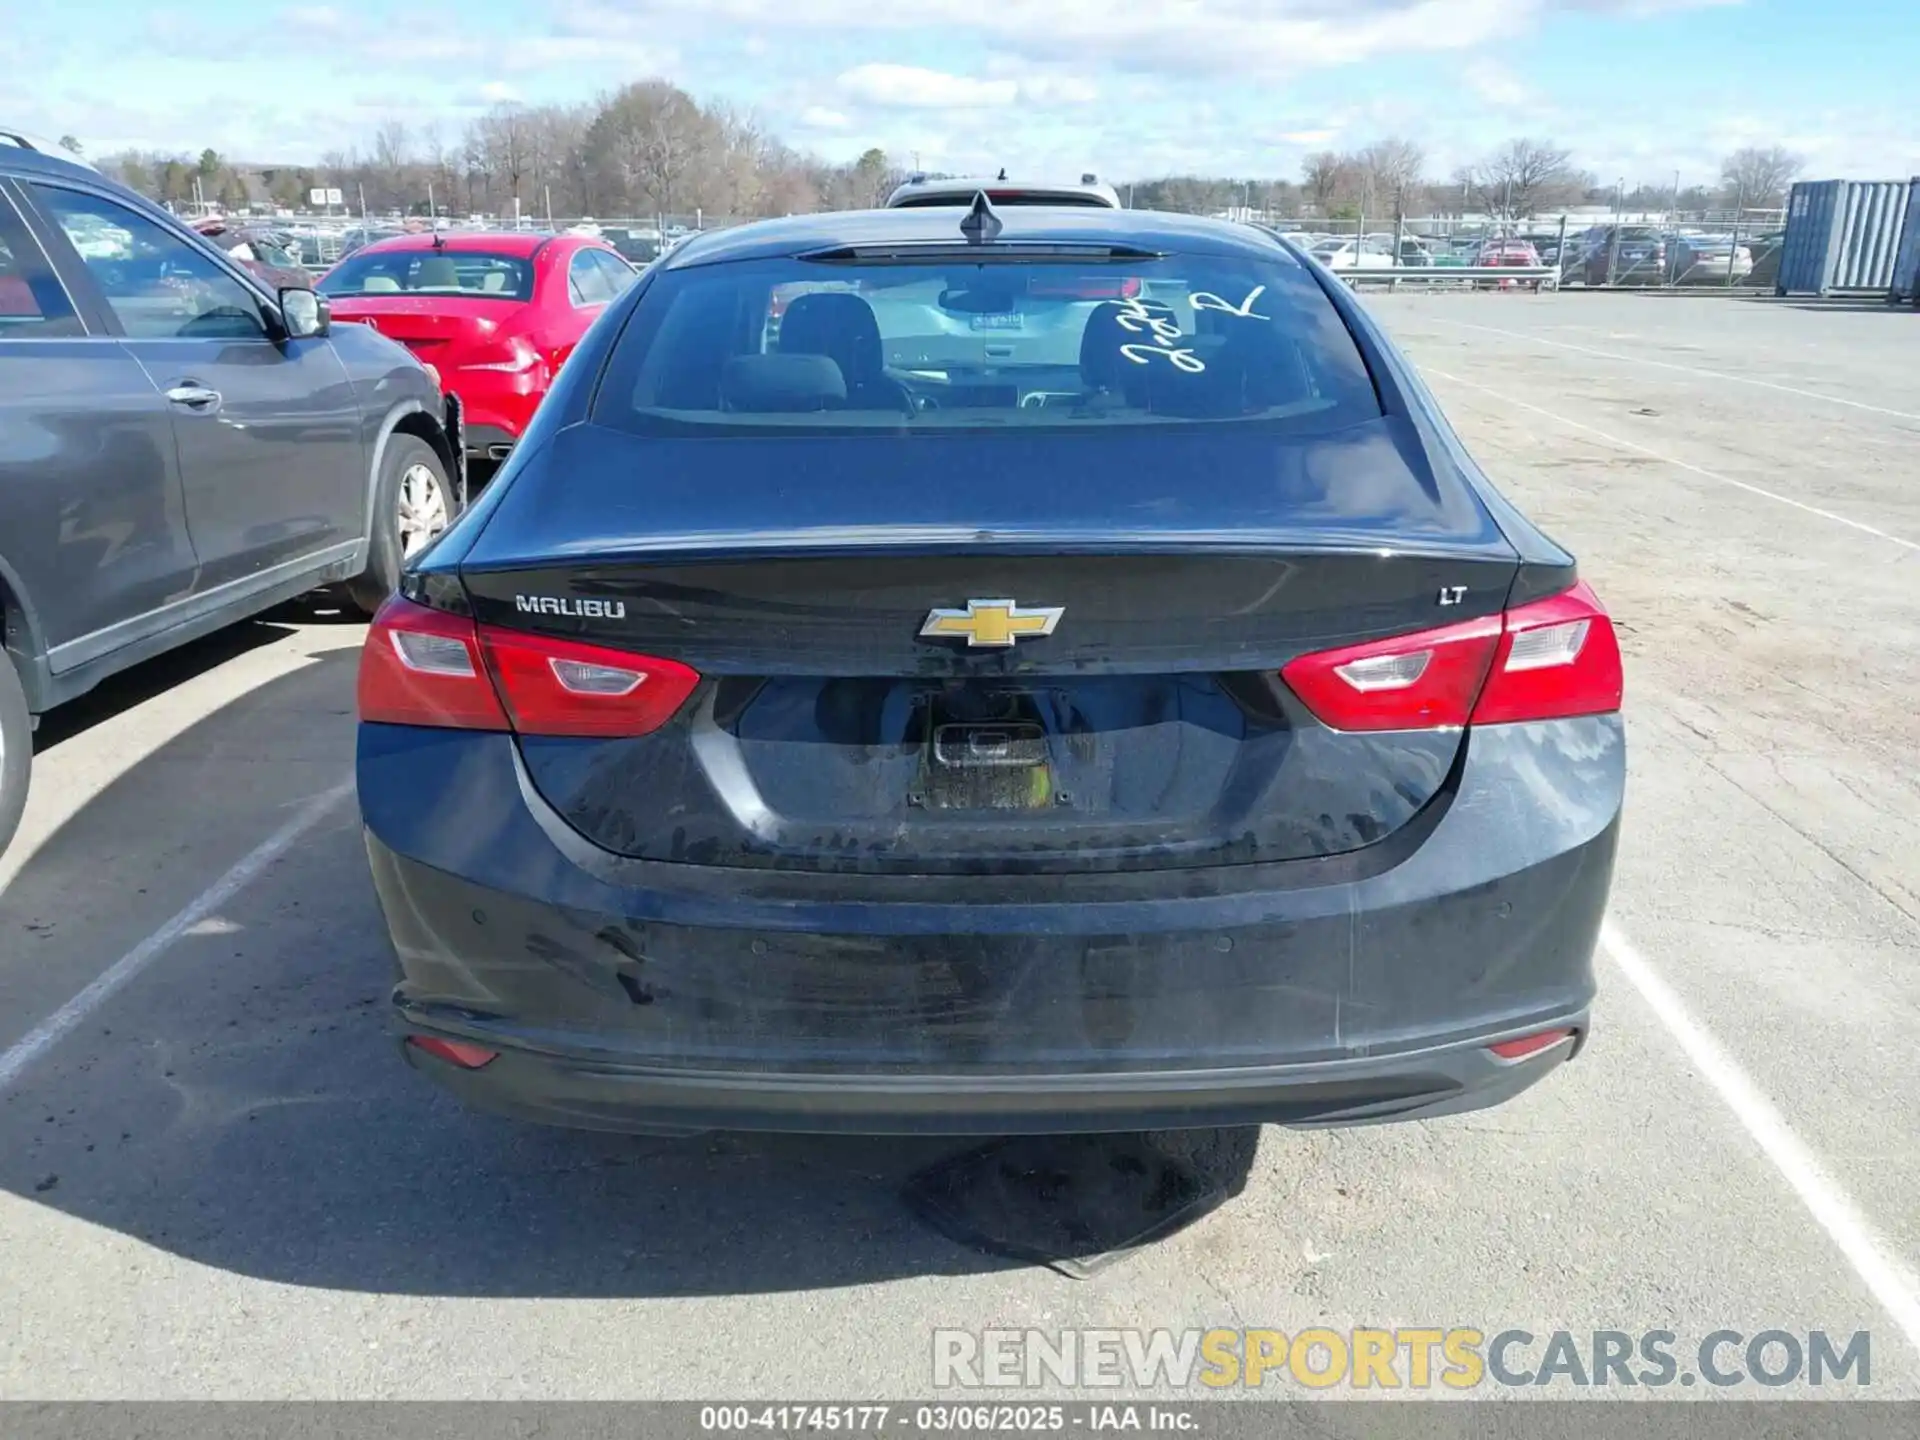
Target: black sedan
[(1066, 675)]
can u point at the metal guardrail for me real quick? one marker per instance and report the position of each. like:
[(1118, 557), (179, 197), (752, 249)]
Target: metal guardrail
[(1543, 276)]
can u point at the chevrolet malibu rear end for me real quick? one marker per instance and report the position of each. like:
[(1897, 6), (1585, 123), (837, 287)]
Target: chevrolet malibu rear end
[(1055, 673)]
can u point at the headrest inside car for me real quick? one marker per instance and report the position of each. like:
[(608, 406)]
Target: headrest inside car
[(782, 384)]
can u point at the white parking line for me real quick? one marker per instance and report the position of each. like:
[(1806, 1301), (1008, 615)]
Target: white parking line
[(1871, 1257), (1664, 458), (48, 1033), (1682, 369)]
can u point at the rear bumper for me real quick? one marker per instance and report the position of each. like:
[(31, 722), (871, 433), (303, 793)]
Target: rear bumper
[(592, 1096), (635, 995), (490, 442), (498, 405)]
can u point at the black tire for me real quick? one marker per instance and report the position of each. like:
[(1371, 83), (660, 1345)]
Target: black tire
[(16, 749), (386, 549)]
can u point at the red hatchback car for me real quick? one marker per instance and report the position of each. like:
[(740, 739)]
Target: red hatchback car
[(495, 314)]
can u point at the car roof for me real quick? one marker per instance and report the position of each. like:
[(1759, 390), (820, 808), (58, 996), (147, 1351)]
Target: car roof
[(940, 224), (21, 159), (524, 244)]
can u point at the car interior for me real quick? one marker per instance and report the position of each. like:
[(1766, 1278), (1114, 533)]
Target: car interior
[(968, 350)]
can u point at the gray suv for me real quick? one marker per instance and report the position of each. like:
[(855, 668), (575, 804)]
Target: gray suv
[(181, 447)]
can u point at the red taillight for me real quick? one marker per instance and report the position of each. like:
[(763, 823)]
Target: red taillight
[(1525, 1045), (1411, 682), (564, 687), (511, 356), (1546, 660), (467, 1057), (425, 667), (1558, 657)]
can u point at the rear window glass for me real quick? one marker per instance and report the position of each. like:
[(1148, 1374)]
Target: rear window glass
[(431, 272), (965, 345)]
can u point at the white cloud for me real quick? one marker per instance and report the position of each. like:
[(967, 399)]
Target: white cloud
[(910, 87), (1127, 87), (1058, 90), (321, 18), (1497, 85), (1245, 37)]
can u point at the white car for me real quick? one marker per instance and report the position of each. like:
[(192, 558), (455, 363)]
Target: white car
[(920, 190), (1368, 252)]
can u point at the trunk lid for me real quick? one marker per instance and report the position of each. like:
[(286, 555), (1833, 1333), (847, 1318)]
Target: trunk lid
[(428, 327), (1147, 729)]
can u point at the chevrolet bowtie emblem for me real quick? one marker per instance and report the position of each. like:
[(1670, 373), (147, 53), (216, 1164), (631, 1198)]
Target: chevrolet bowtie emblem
[(994, 624)]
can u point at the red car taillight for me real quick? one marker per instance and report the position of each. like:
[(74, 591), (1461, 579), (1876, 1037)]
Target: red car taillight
[(1546, 660), (425, 667), (512, 356)]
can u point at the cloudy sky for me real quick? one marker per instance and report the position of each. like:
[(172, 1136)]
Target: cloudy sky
[(1637, 88)]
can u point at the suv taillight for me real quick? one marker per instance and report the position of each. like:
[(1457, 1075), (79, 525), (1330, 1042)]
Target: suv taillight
[(425, 667), (1545, 660)]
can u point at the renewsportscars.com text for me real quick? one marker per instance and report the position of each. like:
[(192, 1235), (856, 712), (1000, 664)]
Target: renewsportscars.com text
[(1405, 1358)]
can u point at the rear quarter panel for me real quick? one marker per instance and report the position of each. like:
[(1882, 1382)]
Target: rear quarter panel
[(389, 385)]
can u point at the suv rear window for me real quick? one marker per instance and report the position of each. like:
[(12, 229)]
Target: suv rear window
[(960, 344)]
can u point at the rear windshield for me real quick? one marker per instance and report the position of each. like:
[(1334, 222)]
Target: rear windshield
[(1007, 344), (431, 272)]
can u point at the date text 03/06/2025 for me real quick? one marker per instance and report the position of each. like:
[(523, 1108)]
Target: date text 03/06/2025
[(936, 1419)]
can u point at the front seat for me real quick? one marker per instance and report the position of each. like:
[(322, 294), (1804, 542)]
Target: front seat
[(437, 272), (842, 327)]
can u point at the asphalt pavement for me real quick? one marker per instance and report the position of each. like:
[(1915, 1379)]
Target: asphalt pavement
[(217, 1180)]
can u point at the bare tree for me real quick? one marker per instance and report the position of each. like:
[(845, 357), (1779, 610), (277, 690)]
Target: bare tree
[(499, 151), (1759, 176), (788, 185), (1525, 175), (650, 138), (1389, 172), (1324, 177), (556, 137), (439, 164), (733, 174), (388, 181)]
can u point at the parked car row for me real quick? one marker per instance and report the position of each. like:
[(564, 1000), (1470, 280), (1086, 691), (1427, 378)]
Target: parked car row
[(1651, 255), (1381, 252), (1625, 254)]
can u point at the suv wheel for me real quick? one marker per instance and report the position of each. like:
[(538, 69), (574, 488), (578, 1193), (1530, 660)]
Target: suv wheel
[(413, 503), (16, 749)]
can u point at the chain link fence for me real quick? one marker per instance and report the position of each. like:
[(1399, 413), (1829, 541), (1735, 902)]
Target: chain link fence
[(1727, 249), (1734, 250)]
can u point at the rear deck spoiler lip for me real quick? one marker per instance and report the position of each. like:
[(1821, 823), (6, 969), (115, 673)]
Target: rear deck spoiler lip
[(840, 539)]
